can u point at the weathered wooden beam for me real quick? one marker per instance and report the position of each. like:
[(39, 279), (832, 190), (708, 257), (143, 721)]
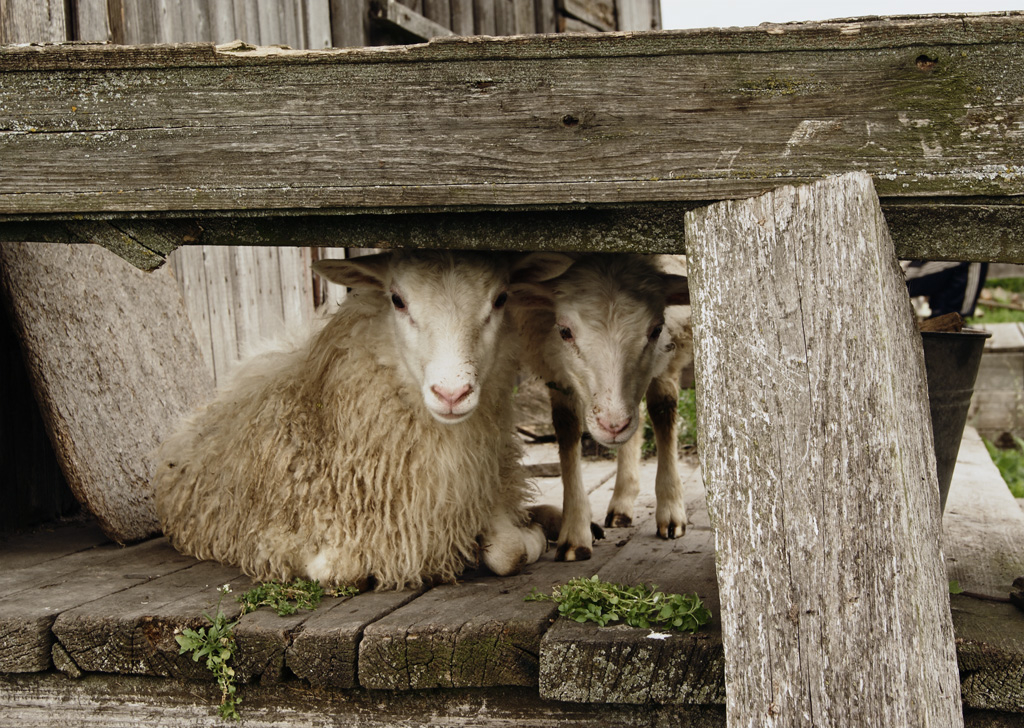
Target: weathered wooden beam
[(926, 105), (815, 445), (114, 364), (989, 230)]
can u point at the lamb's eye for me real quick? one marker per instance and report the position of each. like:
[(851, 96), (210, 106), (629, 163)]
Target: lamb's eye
[(655, 332), (499, 302), (398, 302), (565, 332)]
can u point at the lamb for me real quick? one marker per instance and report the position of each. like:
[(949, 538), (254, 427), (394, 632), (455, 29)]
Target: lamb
[(380, 452), (613, 327)]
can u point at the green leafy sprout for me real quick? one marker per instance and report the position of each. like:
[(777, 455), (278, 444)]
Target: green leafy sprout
[(593, 600), (217, 642)]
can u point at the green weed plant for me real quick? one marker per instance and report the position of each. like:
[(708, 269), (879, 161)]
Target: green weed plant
[(217, 642), (593, 600)]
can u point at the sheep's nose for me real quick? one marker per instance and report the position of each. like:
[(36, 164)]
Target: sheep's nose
[(614, 428), (451, 397)]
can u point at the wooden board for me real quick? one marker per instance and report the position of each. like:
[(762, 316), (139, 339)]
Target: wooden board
[(34, 597), (53, 701), (479, 633), (815, 445), (620, 664), (114, 364), (326, 652), (921, 103), (982, 530)]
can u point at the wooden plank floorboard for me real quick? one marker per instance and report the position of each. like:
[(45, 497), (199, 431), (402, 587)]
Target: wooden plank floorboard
[(35, 596), (983, 529), (621, 664), (481, 632), (325, 652), (127, 701), (92, 608), (132, 631), (24, 550)]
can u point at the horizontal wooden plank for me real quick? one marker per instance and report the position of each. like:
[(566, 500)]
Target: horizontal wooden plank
[(124, 701), (33, 597), (926, 105), (920, 230), (326, 652)]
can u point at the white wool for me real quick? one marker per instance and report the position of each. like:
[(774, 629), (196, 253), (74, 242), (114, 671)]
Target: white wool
[(337, 461)]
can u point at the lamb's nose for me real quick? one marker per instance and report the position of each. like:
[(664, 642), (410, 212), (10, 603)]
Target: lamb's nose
[(614, 428), (451, 397)]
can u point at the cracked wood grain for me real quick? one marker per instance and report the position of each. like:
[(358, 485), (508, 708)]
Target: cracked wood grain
[(815, 445)]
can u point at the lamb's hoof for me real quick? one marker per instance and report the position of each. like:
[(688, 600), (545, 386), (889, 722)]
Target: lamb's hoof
[(617, 520), (596, 531), (566, 552), (671, 530)]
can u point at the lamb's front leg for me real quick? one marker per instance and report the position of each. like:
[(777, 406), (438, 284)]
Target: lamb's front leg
[(575, 539), (662, 403), (627, 482)]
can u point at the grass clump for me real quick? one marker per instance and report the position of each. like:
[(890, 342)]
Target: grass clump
[(999, 290), (287, 599), (1010, 462), (602, 602)]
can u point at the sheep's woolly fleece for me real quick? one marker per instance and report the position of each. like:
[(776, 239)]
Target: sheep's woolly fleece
[(324, 462)]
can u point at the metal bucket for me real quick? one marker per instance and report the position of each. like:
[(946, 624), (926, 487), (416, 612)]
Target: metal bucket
[(951, 362)]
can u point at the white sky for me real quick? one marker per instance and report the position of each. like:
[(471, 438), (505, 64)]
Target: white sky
[(726, 13)]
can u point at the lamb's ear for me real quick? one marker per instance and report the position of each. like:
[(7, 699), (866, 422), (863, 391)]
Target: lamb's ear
[(536, 267), (367, 271), (528, 286), (677, 290)]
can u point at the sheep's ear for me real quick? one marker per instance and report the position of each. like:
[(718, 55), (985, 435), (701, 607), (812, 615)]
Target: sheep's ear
[(367, 271), (677, 290), (529, 285), (531, 295), (536, 267)]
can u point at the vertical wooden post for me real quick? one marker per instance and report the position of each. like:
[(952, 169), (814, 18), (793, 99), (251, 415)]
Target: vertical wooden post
[(816, 450)]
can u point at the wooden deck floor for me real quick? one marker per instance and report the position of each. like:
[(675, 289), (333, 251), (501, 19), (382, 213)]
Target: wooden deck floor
[(472, 653)]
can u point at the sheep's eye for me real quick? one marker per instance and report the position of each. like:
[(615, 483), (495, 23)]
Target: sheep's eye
[(655, 332), (565, 332), (499, 302), (398, 302)]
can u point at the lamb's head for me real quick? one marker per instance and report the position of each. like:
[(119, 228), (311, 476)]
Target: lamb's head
[(446, 313), (608, 337)]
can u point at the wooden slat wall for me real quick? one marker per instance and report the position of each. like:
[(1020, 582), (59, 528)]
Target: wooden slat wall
[(236, 297)]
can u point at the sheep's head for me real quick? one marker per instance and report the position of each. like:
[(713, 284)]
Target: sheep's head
[(447, 313), (609, 336)]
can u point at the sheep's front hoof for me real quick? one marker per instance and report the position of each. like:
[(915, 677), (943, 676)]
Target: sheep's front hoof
[(566, 552), (669, 531), (617, 520)]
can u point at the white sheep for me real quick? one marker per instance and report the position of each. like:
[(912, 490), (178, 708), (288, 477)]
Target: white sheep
[(383, 450), (609, 330)]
